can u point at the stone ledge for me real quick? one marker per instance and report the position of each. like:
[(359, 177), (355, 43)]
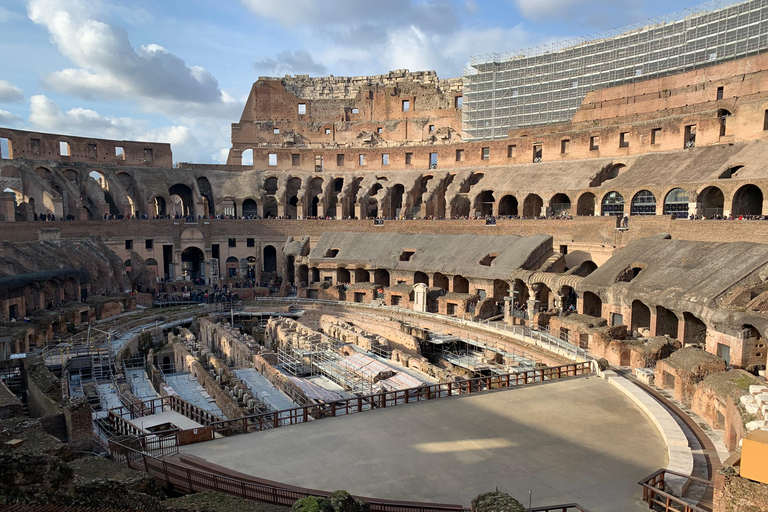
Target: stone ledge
[(679, 453)]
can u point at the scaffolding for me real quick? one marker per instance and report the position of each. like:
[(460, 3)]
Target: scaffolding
[(547, 84)]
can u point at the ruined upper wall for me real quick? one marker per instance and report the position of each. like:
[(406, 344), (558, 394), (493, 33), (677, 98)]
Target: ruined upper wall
[(347, 87), (392, 109), (66, 148)]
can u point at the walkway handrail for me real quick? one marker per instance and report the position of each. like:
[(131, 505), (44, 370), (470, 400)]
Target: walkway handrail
[(270, 420), (654, 493)]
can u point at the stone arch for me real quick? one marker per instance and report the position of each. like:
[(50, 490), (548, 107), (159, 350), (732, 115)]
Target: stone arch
[(71, 287), (396, 201), (508, 206), (303, 274), (711, 202), (747, 200), (460, 284), (292, 188), (484, 203), (585, 205), (643, 203), (461, 206), (314, 193), (99, 178), (186, 197), (159, 206), (676, 202), (381, 277), (232, 265), (641, 316), (500, 289), (342, 275), (362, 275), (440, 281), (585, 268), (246, 157), (612, 204), (532, 206), (593, 304), (204, 186), (71, 175), (695, 330), (560, 204), (420, 277), (666, 322), (191, 262), (270, 258), (250, 208)]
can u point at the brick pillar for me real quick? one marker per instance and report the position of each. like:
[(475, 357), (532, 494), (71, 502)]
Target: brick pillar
[(681, 328), (77, 417), (654, 319)]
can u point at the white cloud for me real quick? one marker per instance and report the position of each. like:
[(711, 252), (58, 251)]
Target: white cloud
[(291, 63), (108, 67), (45, 115), (353, 37), (9, 92), (9, 118)]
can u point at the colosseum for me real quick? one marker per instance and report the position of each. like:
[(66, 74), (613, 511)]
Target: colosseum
[(567, 246)]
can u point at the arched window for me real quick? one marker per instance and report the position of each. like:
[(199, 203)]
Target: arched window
[(613, 204), (644, 203), (676, 202)]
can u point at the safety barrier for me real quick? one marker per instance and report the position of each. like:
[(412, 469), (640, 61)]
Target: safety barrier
[(266, 421), (658, 499)]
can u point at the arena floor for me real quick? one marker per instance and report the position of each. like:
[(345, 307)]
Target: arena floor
[(578, 441)]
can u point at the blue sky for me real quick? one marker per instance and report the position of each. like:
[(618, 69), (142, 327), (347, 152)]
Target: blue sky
[(179, 71)]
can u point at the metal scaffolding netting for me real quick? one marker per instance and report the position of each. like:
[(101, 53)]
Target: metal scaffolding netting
[(546, 84)]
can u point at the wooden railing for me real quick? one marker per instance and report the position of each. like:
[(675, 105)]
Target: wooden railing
[(267, 421), (655, 496), (187, 479)]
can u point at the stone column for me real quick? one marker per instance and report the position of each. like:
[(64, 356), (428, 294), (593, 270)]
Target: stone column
[(533, 299)]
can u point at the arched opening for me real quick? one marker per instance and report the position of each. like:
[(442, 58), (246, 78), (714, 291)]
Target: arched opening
[(560, 205), (593, 305), (711, 201), (191, 262), (420, 277), (381, 277), (484, 203), (342, 276), (676, 202), (315, 274), (544, 295), (730, 172), (251, 263), (500, 289), (233, 265), (99, 178), (722, 117), (303, 275), (508, 206), (113, 209), (461, 206), (70, 290), (250, 208), (440, 281), (641, 316), (643, 203), (204, 186), (460, 284), (246, 157), (585, 206), (629, 273), (292, 199), (159, 206), (396, 204), (184, 193), (612, 204), (586, 268), (314, 193), (754, 349), (695, 331), (270, 259), (270, 207), (151, 264), (666, 322), (362, 276), (748, 200), (228, 207), (532, 206)]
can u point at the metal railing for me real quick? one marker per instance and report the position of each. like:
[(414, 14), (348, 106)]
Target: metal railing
[(271, 420), (536, 337), (119, 416), (570, 507), (655, 496)]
